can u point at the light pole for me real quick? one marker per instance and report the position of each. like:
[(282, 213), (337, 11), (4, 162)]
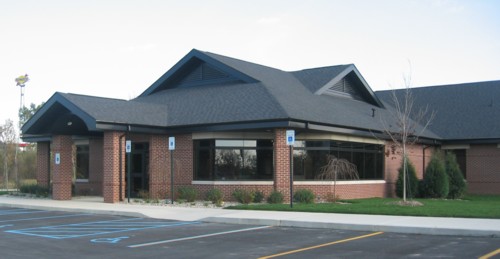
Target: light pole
[(21, 82)]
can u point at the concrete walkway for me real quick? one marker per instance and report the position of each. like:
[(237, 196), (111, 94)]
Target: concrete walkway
[(398, 224)]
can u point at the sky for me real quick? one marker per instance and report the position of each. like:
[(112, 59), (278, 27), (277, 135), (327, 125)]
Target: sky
[(118, 48)]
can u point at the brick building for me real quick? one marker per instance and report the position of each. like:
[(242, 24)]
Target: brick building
[(229, 118)]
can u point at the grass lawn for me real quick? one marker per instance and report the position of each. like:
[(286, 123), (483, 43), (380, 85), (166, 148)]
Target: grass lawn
[(473, 206)]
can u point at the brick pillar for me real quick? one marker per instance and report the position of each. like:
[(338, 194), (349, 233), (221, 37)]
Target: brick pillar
[(183, 160), (63, 170), (42, 163), (281, 164), (111, 167), (159, 166)]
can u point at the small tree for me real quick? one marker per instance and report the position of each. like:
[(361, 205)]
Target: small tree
[(411, 181), (409, 123), (457, 182), (435, 183), (338, 168)]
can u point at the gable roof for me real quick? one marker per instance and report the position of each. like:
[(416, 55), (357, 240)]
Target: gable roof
[(232, 94), (193, 60), (463, 112)]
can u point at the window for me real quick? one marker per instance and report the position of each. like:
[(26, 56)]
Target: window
[(82, 162), (310, 156), (233, 160)]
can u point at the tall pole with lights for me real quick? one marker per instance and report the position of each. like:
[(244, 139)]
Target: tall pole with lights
[(21, 82)]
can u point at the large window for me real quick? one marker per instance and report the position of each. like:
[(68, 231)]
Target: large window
[(310, 156), (233, 160), (82, 162)]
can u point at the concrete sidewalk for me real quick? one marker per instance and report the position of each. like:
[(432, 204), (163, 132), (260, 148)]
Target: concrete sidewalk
[(398, 224)]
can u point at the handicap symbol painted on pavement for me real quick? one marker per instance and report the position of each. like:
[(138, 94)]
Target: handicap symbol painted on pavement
[(108, 240), (4, 226)]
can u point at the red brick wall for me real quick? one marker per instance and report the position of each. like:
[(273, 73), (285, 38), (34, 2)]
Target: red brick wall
[(63, 172), (111, 166), (345, 191), (483, 169), (393, 162), (281, 164), (159, 166), (42, 163)]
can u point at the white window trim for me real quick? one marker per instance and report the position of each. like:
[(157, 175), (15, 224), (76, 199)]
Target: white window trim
[(343, 182), (233, 182), (449, 147)]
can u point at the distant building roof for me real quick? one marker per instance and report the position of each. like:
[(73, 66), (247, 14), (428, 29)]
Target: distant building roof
[(463, 112)]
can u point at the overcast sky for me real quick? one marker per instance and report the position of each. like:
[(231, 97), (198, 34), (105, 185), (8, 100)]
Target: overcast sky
[(118, 48)]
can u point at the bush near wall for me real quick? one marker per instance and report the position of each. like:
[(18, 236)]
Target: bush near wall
[(411, 181), (458, 186), (435, 183), (304, 196), (275, 197)]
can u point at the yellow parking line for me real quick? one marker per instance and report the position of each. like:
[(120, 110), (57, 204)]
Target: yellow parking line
[(486, 256), (323, 245)]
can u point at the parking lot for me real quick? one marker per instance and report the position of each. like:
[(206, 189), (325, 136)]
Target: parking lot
[(27, 233)]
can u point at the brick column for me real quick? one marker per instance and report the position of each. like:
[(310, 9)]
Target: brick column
[(42, 163), (63, 171), (183, 160), (111, 167), (159, 166), (281, 164)]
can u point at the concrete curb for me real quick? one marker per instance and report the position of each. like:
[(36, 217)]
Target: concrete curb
[(394, 224), (356, 227)]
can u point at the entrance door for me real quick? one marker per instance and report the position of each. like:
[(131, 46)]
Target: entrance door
[(139, 169)]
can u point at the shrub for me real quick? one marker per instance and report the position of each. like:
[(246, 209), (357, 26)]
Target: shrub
[(243, 196), (187, 193), (275, 197), (215, 196), (436, 184), (258, 197), (457, 182), (143, 194), (34, 189), (411, 181), (304, 196)]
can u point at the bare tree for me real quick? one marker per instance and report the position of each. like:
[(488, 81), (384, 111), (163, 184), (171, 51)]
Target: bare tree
[(338, 168), (410, 123), (8, 140)]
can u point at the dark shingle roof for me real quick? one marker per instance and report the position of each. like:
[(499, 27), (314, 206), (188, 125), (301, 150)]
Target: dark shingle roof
[(469, 111), (316, 78), (262, 94)]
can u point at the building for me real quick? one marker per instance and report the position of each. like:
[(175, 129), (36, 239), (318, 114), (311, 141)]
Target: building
[(229, 118)]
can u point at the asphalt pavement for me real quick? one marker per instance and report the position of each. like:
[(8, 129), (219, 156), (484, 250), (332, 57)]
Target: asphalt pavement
[(394, 224)]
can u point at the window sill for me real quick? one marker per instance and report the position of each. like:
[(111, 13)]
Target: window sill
[(339, 182), (233, 182), (81, 180)]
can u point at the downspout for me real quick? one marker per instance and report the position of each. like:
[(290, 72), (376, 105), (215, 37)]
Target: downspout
[(423, 159), (48, 167)]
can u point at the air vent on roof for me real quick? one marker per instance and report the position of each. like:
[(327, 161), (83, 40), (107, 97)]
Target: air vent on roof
[(347, 86), (201, 73)]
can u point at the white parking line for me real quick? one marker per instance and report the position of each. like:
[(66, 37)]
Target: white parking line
[(195, 237)]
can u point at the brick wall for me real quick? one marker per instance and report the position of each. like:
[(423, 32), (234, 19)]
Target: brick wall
[(111, 167), (42, 163), (228, 189), (343, 190), (159, 166), (281, 164), (62, 172), (393, 163), (483, 169)]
